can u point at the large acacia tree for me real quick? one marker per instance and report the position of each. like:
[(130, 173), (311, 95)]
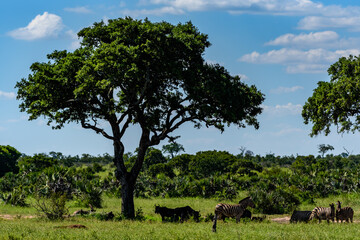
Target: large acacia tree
[(336, 102), (135, 72)]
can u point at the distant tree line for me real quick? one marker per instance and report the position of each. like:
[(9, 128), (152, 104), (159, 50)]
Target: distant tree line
[(277, 183)]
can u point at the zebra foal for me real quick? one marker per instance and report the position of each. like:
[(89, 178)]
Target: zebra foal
[(344, 213), (323, 213), (228, 210)]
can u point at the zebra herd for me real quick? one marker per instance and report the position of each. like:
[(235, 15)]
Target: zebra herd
[(237, 211), (323, 213), (320, 213)]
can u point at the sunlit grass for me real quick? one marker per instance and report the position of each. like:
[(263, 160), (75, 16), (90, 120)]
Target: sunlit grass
[(152, 228)]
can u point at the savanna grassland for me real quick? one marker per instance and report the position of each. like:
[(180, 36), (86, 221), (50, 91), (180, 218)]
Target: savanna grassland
[(24, 223)]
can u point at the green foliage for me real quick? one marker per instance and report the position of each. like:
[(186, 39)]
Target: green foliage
[(173, 149), (8, 158), (159, 168), (36, 163), (181, 163), (245, 167), (53, 208), (336, 102), (272, 199), (88, 193), (211, 163), (325, 148), (153, 156), (17, 197)]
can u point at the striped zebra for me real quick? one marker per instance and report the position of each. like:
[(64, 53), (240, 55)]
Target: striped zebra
[(344, 213), (228, 210), (323, 213)]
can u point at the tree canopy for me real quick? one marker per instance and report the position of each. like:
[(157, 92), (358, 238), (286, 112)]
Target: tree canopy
[(8, 159), (336, 102), (135, 72)]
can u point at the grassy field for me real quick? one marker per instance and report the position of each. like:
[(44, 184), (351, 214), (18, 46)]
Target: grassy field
[(20, 227)]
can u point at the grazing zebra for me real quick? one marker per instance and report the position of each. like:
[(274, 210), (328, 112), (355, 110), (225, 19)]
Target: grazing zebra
[(228, 210), (344, 213), (246, 214), (300, 216), (323, 213)]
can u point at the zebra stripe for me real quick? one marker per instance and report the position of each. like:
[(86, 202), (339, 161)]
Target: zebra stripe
[(322, 213), (344, 213), (228, 210)]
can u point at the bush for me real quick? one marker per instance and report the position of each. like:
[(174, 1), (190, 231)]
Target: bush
[(37, 163), (271, 199), (53, 207), (88, 193), (16, 197), (209, 163)]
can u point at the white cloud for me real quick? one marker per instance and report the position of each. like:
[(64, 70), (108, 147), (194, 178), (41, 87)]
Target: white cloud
[(326, 39), (78, 10), (75, 40), (156, 11), (8, 95), (243, 77), (305, 39), (313, 60), (280, 90), (42, 26), (281, 110), (317, 15), (293, 7), (318, 22)]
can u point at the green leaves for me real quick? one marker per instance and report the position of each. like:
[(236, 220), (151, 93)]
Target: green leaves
[(336, 102)]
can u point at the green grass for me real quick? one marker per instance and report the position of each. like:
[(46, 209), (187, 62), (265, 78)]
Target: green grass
[(153, 228), (40, 229)]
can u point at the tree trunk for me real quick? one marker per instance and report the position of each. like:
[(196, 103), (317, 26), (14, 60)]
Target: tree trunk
[(128, 179), (127, 198)]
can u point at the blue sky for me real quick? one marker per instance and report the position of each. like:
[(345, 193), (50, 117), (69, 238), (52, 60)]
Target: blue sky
[(284, 47)]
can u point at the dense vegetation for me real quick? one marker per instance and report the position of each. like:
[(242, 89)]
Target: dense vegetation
[(277, 184)]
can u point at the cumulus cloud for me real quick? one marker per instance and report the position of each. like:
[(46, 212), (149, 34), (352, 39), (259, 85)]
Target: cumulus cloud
[(281, 110), (156, 12), (83, 10), (8, 95), (305, 39), (75, 40), (297, 61), (42, 26), (326, 39), (285, 7), (320, 22), (269, 7), (280, 90)]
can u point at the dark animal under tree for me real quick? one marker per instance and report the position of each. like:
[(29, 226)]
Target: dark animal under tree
[(176, 214), (300, 216)]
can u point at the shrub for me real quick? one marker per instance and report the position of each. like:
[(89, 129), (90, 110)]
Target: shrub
[(53, 207), (16, 197), (271, 199)]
